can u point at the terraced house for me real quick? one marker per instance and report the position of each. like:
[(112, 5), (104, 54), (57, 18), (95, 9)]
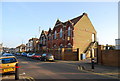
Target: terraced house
[(31, 46), (77, 33)]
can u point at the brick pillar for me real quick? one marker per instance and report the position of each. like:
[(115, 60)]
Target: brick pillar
[(78, 54), (63, 52), (99, 56)]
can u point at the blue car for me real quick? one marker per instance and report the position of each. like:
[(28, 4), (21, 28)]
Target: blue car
[(7, 54), (24, 54)]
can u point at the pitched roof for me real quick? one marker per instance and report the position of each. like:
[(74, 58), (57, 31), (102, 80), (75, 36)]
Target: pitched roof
[(75, 20), (46, 32), (72, 21), (49, 31), (58, 22), (33, 39)]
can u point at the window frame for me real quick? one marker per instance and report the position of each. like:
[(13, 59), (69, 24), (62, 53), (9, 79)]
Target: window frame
[(69, 31), (55, 35), (61, 33)]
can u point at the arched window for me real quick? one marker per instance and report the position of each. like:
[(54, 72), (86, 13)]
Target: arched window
[(54, 46), (49, 37), (44, 40), (69, 31), (60, 32), (61, 45), (55, 34), (69, 45)]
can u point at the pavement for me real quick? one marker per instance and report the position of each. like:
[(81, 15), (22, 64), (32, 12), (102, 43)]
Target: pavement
[(86, 66)]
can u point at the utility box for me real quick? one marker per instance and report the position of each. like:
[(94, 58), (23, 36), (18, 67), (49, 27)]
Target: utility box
[(83, 56)]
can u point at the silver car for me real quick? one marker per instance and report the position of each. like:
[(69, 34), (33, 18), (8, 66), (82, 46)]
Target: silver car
[(30, 54), (47, 57)]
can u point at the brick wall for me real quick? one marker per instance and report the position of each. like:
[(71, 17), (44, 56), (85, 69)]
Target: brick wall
[(70, 54), (83, 31), (109, 57), (63, 54)]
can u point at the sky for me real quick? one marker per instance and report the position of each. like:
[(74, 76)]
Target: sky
[(21, 20)]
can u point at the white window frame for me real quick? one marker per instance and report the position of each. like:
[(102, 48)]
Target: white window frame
[(55, 33), (61, 33), (69, 31)]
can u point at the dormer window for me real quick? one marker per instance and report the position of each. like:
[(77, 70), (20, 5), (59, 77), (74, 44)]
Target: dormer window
[(69, 31), (60, 32), (55, 34)]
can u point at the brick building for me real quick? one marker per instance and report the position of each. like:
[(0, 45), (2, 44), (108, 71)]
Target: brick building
[(20, 48), (43, 40), (31, 46), (75, 33)]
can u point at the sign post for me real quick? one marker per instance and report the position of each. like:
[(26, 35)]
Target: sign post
[(16, 72)]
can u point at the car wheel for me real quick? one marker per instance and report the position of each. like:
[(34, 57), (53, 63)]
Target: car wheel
[(44, 59), (40, 59), (53, 61)]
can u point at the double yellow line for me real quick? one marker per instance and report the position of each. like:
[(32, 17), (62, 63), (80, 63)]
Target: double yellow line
[(29, 79)]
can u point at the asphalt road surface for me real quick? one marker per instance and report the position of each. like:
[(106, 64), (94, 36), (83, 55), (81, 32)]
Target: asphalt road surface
[(36, 69)]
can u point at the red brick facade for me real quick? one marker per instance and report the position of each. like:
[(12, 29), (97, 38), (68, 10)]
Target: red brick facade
[(74, 33)]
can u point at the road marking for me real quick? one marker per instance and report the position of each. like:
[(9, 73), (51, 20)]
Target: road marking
[(103, 74), (29, 78), (32, 78), (90, 71), (22, 73), (23, 62)]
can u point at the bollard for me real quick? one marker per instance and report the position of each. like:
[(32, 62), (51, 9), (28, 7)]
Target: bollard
[(16, 72), (92, 63)]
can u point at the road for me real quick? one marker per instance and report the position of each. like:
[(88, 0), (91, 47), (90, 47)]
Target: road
[(35, 69)]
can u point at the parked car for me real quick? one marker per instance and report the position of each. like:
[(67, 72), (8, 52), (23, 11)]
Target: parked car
[(37, 56), (7, 54), (24, 54), (30, 54), (18, 54), (47, 57), (8, 64)]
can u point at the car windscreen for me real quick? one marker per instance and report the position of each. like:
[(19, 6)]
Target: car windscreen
[(50, 55), (8, 60), (30, 53), (8, 55), (43, 54), (37, 54)]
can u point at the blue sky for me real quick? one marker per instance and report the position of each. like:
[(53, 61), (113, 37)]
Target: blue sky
[(21, 20)]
